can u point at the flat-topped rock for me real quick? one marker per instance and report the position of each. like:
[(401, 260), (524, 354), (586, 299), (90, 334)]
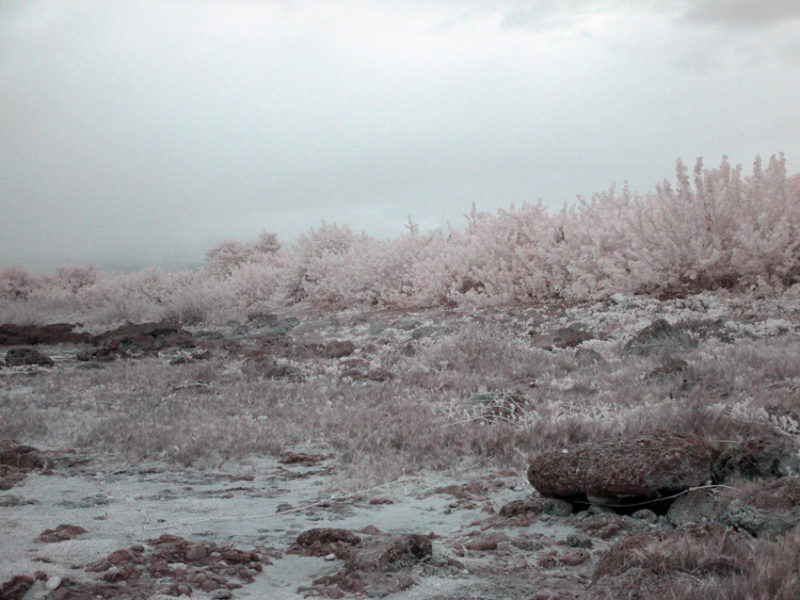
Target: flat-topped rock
[(641, 465)]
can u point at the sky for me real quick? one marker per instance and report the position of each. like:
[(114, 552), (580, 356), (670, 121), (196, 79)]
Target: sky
[(145, 132)]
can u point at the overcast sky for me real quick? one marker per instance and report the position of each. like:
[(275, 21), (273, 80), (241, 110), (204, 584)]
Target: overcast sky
[(147, 131)]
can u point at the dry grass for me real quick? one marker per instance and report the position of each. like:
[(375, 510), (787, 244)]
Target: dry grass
[(425, 418)]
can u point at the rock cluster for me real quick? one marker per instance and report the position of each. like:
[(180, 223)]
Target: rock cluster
[(375, 563)]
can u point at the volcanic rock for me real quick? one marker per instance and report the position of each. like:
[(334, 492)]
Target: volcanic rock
[(646, 465)]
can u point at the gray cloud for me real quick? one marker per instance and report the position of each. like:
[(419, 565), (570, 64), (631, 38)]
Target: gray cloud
[(742, 14), (147, 131)]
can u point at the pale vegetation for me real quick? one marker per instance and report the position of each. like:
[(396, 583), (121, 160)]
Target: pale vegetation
[(715, 229)]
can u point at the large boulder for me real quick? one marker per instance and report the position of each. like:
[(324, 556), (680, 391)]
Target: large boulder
[(645, 465)]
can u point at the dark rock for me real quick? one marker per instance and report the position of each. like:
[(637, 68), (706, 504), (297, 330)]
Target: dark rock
[(31, 335), (757, 459), (579, 540), (20, 456), (659, 336), (646, 515), (60, 534), (16, 587), (695, 507), (145, 338), (327, 535), (323, 541), (17, 357), (647, 465)]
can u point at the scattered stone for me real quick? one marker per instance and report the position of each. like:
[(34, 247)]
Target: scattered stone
[(60, 534), (574, 556), (20, 357), (53, 583), (173, 567), (325, 540), (646, 465), (375, 563), (646, 515), (579, 540), (487, 541), (659, 336), (547, 560)]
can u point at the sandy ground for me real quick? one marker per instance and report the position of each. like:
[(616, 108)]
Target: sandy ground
[(266, 505)]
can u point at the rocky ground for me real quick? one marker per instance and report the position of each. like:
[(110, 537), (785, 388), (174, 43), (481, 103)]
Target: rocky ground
[(634, 448)]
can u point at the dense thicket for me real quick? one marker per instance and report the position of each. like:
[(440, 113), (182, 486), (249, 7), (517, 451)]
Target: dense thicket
[(714, 228)]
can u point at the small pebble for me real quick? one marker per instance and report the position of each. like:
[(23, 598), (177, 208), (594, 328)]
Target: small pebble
[(53, 583), (330, 556)]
